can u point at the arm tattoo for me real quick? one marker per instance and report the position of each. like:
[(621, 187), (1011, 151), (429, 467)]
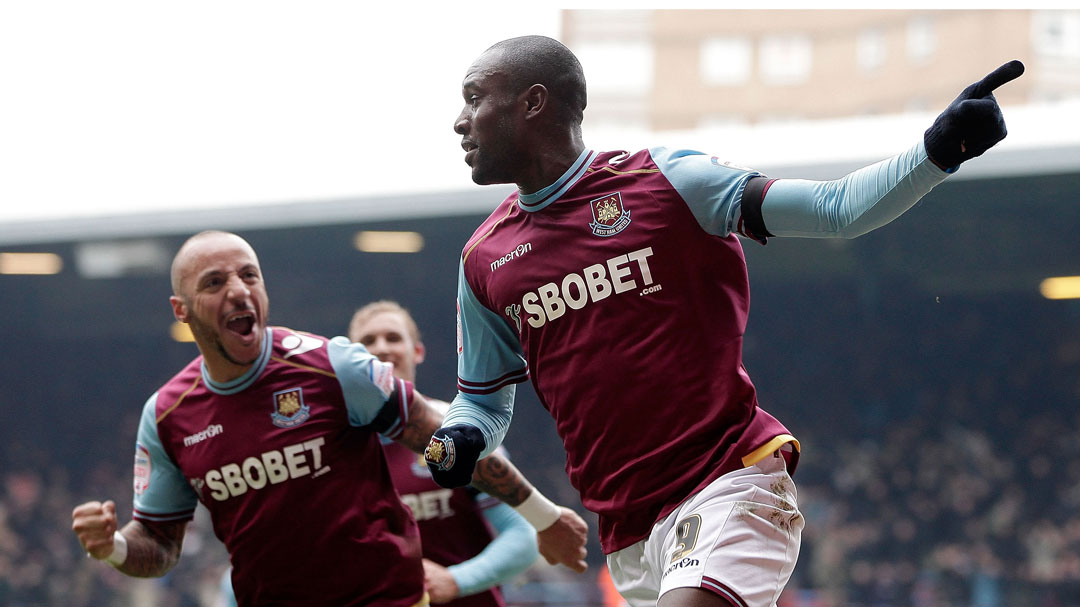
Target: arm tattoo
[(153, 548), (494, 474), (424, 420), (497, 477)]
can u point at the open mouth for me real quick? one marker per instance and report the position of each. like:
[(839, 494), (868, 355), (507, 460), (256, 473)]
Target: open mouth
[(241, 324)]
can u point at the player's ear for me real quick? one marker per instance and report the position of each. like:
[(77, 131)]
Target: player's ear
[(536, 100), (180, 310), (418, 352)]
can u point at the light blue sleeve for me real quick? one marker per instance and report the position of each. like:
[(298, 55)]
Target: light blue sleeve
[(366, 382), (490, 366), (512, 551), (853, 205), (165, 494), (711, 188)]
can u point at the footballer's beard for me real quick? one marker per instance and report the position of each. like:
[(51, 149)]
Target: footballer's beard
[(498, 159), (207, 334), (495, 166)]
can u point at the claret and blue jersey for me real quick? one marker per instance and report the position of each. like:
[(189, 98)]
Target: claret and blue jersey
[(621, 290), (482, 542), (287, 460)]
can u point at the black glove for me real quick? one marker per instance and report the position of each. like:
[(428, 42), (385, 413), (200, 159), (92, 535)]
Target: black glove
[(972, 123), (451, 454)]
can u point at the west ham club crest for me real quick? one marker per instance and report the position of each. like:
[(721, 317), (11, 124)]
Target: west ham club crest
[(609, 215), (289, 408)]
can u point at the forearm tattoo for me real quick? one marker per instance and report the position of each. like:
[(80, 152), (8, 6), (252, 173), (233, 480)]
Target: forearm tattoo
[(497, 477), (494, 475), (152, 549), (424, 420)]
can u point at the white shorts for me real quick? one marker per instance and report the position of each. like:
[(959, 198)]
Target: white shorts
[(738, 537)]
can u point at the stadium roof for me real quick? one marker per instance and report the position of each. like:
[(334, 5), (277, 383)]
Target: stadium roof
[(1037, 144)]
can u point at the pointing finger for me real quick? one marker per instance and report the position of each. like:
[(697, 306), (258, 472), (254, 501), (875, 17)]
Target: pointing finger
[(1009, 71)]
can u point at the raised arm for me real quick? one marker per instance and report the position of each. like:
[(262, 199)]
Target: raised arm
[(143, 548), (726, 199), (972, 123), (871, 197), (139, 549)]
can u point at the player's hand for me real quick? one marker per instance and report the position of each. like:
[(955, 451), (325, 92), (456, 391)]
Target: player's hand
[(451, 454), (94, 524), (440, 585), (563, 543), (972, 123)]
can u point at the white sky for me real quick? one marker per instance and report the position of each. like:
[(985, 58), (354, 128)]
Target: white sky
[(113, 106)]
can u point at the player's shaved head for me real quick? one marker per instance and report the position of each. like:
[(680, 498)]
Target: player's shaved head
[(529, 60), (181, 265)]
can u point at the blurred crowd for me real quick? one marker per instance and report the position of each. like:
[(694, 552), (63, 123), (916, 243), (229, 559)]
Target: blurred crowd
[(941, 467), (41, 562), (941, 514), (942, 464)]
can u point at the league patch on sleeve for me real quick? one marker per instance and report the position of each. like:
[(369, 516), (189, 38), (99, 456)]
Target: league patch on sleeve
[(382, 375), (459, 339), (142, 469)]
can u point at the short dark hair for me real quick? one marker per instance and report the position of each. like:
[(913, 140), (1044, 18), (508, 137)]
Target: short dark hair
[(533, 60)]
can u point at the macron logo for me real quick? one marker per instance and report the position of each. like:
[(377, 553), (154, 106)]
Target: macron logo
[(514, 253), (211, 431), (298, 343)]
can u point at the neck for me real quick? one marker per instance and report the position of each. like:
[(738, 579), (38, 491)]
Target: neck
[(223, 371), (550, 163), (219, 365)]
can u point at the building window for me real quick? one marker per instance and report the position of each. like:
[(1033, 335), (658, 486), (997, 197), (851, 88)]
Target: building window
[(921, 39), (786, 59), (726, 60), (1056, 33), (870, 50), (617, 67)]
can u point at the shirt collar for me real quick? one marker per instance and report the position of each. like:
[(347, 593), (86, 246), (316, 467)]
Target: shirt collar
[(542, 198), (244, 381)]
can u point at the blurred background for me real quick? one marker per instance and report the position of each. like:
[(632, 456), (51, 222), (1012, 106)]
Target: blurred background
[(931, 369)]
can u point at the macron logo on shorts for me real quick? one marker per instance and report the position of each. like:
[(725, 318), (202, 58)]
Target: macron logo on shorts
[(684, 562)]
